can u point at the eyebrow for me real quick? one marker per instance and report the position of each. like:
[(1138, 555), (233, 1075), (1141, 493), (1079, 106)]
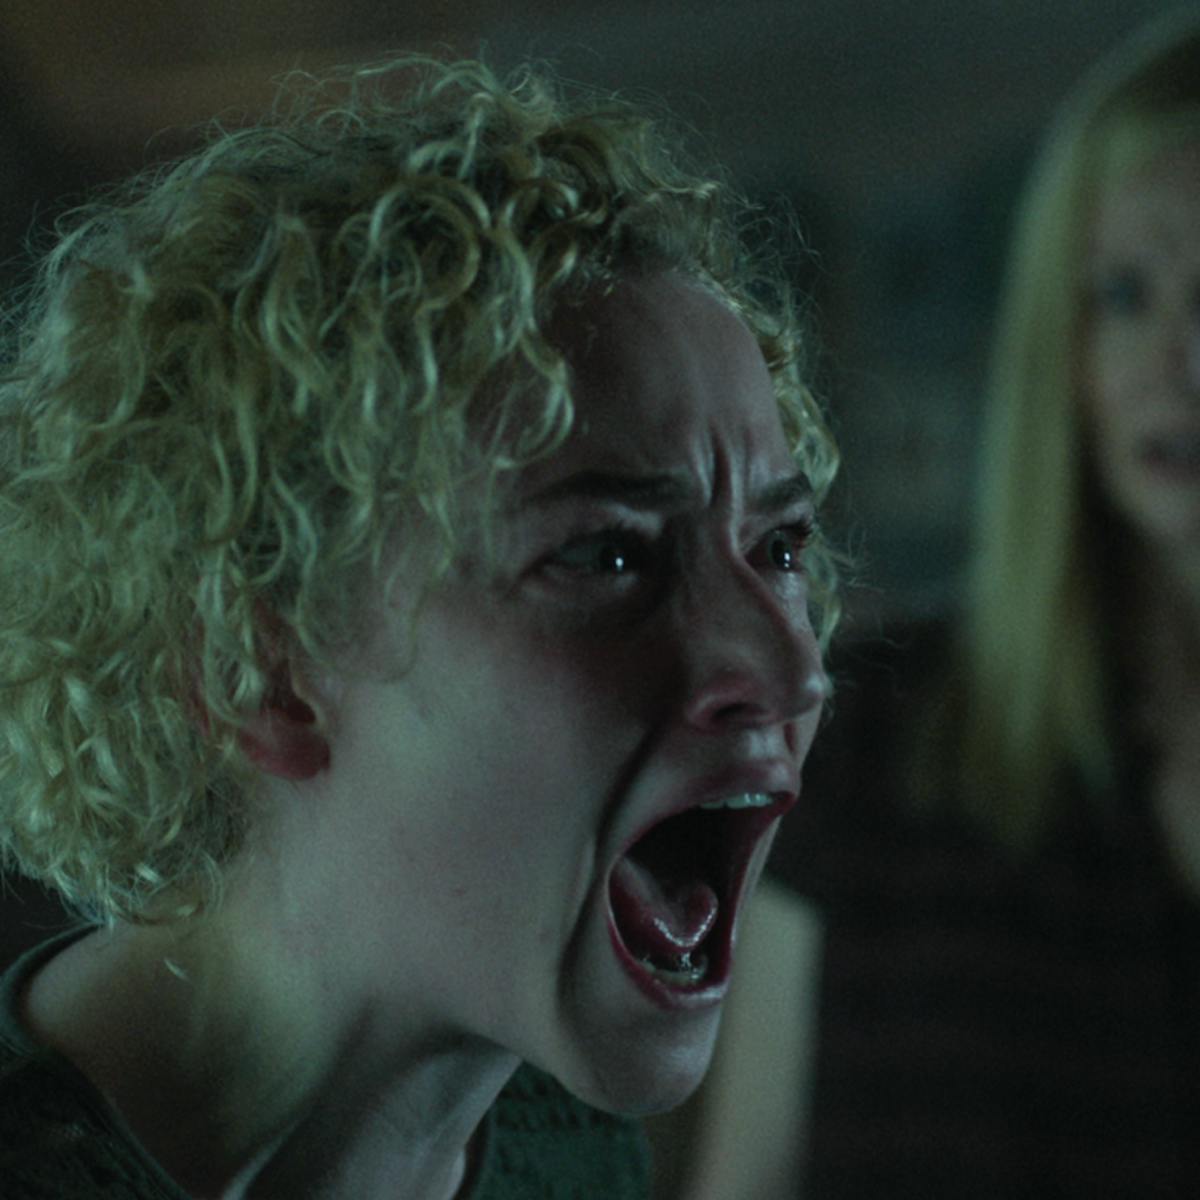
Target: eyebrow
[(664, 491), (783, 494), (635, 491)]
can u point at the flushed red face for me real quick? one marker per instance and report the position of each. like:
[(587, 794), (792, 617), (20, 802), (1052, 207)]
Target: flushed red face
[(1141, 358), (555, 815)]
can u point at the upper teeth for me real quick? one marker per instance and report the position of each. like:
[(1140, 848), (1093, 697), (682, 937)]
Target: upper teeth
[(744, 800)]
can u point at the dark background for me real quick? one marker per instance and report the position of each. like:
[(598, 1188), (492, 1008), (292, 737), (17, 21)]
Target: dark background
[(898, 131)]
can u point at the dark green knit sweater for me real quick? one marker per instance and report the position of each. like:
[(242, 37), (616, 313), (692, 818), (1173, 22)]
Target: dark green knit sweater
[(60, 1141)]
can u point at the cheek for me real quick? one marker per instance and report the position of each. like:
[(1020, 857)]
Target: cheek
[(806, 731), (1097, 364), (1120, 363), (545, 723), (1109, 378), (593, 683), (535, 713)]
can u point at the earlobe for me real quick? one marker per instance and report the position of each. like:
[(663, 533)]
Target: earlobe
[(283, 737)]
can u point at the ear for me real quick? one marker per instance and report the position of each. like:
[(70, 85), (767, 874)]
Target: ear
[(283, 737)]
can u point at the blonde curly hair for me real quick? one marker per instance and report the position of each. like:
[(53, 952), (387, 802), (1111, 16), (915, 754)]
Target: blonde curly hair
[(233, 375)]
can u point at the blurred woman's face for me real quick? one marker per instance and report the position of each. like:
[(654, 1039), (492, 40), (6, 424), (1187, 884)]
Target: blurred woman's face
[(1141, 348)]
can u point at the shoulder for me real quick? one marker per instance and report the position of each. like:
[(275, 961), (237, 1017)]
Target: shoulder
[(53, 1144), (546, 1143), (57, 1141)]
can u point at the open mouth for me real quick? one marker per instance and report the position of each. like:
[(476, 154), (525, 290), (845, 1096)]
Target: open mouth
[(1179, 452), (674, 895)]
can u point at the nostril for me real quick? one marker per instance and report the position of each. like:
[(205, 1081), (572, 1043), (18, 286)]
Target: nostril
[(743, 699), (751, 657), (730, 700)]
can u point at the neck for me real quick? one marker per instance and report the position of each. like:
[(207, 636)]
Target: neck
[(413, 1134), (249, 1073)]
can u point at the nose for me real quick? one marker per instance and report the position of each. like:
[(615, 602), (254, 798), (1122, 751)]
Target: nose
[(753, 659), (1181, 346), (1192, 354)]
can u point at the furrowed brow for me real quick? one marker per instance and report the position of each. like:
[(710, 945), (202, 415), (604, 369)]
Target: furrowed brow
[(783, 494), (634, 491), (662, 491)]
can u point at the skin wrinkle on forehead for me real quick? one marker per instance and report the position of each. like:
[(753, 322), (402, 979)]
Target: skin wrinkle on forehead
[(663, 491), (594, 339)]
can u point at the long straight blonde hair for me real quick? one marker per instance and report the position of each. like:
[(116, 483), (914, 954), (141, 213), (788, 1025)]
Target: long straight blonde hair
[(1038, 647)]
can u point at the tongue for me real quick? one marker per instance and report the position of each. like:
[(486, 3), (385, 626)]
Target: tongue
[(660, 918)]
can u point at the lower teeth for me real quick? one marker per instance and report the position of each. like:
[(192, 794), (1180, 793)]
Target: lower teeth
[(682, 971)]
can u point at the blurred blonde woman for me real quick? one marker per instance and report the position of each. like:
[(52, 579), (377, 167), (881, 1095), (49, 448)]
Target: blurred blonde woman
[(1006, 807)]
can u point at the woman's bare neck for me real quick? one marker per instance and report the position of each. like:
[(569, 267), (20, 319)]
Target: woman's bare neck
[(237, 1102)]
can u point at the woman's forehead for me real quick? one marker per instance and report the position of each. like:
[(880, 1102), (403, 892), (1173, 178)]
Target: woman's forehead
[(1157, 202), (663, 377)]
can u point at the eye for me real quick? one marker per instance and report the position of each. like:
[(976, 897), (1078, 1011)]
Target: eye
[(1121, 292), (783, 548), (608, 552)]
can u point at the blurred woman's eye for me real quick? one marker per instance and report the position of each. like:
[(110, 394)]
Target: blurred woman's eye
[(1119, 293)]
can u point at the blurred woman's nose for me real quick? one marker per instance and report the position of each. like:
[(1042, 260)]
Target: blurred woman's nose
[(1180, 344), (753, 659), (1192, 352)]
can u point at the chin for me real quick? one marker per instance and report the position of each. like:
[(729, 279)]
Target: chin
[(1169, 533), (1163, 517), (643, 1078)]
